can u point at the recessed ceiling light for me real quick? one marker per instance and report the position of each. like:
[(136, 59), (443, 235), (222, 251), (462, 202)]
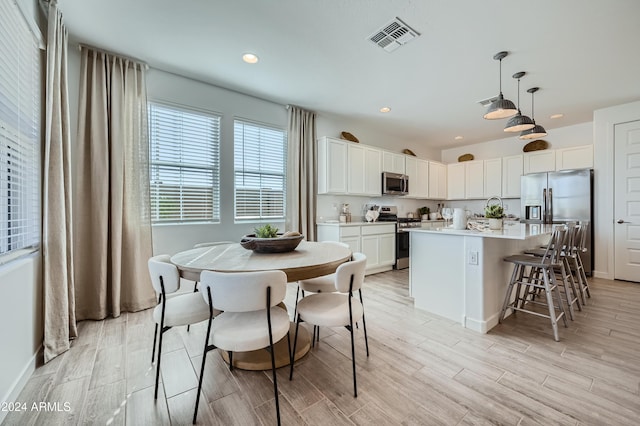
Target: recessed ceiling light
[(459, 138), (385, 109), (250, 58), (557, 116)]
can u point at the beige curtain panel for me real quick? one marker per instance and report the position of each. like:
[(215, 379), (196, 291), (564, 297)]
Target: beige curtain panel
[(301, 172), (57, 242), (112, 228)]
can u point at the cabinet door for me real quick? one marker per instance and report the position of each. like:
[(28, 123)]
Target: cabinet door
[(575, 157), (372, 171), (474, 179), (353, 242), (422, 184), (493, 177), (540, 161), (434, 180), (332, 166), (387, 247), (411, 170), (511, 173), (370, 248), (392, 162), (455, 181), (442, 180), (356, 159)]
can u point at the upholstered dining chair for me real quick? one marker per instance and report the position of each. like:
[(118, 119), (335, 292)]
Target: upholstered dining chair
[(338, 309), (250, 319), (323, 284), (177, 310), (209, 244)]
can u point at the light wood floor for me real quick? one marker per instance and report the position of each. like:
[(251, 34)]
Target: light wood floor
[(423, 370)]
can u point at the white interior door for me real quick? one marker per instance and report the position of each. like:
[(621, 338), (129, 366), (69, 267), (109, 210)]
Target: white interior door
[(627, 201)]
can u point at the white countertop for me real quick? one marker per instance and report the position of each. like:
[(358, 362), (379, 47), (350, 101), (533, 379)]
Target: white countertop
[(355, 223), (511, 231)]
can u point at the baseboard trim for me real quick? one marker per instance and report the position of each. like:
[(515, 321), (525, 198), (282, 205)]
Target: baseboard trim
[(20, 382)]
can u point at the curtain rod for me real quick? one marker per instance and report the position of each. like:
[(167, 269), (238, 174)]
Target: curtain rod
[(137, 61)]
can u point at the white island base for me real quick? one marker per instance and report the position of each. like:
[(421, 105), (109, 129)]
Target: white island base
[(460, 275)]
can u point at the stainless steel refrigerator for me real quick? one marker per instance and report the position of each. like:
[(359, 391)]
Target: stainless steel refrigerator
[(560, 197)]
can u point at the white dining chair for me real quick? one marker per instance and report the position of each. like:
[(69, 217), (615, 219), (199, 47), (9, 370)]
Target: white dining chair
[(209, 244), (250, 319), (338, 309), (323, 284), (171, 311)]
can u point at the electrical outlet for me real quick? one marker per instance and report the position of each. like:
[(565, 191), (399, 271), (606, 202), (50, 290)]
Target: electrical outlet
[(473, 258), (506, 207)]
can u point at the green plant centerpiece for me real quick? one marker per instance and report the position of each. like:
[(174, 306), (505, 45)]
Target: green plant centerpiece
[(423, 211), (266, 239), (266, 231), (495, 213)]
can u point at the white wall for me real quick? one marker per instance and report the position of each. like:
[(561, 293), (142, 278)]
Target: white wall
[(21, 330), (578, 134), (604, 121)]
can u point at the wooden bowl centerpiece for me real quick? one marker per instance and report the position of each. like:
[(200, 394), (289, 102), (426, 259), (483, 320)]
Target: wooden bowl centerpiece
[(266, 239)]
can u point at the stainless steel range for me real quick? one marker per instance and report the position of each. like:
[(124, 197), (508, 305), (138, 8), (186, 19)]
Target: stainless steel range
[(390, 214)]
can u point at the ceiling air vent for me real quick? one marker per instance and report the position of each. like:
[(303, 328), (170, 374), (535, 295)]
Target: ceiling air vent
[(488, 101), (393, 35)]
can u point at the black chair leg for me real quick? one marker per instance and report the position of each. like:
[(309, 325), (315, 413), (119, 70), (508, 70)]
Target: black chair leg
[(295, 309), (155, 337), (195, 289), (364, 325), (293, 353), (155, 395), (206, 350), (353, 360)]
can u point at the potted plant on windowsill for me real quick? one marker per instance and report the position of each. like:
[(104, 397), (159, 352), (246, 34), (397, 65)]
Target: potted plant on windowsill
[(495, 214)]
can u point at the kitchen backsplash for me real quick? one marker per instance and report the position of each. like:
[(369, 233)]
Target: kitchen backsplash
[(329, 206)]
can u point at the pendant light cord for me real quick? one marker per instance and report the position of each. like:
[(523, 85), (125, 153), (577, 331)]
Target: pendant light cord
[(500, 74)]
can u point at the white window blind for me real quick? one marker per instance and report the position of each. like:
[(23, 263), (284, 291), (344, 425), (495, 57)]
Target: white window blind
[(185, 164), (20, 137), (260, 171)]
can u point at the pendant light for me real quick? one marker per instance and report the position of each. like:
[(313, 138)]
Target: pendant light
[(519, 122), (501, 107), (537, 131)]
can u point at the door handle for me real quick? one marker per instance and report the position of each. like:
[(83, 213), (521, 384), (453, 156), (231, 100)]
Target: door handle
[(620, 221)]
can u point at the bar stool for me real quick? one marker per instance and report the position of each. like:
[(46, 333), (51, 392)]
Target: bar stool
[(564, 270), (577, 265), (538, 266)]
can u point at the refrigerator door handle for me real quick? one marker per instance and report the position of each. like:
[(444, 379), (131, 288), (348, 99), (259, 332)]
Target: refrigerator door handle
[(544, 207), (550, 205)]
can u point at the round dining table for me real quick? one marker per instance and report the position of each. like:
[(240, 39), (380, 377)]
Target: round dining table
[(308, 260)]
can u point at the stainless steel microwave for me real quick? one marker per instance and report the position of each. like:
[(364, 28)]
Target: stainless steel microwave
[(395, 184)]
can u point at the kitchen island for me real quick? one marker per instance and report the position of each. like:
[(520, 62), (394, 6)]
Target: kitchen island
[(460, 274)]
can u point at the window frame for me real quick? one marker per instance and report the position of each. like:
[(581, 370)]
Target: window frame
[(261, 218), (214, 167)]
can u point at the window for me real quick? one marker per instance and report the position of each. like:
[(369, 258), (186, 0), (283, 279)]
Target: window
[(20, 138), (260, 171), (185, 165)]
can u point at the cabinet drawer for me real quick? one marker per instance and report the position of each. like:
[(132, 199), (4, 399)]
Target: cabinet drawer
[(349, 231), (378, 229)]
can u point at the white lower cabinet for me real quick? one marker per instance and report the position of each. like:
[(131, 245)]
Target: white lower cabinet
[(376, 241)]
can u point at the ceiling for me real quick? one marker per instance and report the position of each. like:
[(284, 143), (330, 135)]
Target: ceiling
[(584, 55)]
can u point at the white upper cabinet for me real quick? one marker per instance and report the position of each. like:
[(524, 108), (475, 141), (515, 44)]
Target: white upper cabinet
[(332, 166), (575, 157), (372, 171), (539, 161), (418, 172), (437, 181), (356, 169), (493, 177), (392, 162), (455, 181), (511, 173), (474, 179)]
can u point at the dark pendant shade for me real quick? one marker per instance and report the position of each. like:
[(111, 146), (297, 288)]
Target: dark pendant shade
[(519, 123), (535, 132), (500, 108)]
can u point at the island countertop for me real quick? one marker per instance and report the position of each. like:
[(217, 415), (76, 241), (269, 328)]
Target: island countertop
[(511, 231)]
